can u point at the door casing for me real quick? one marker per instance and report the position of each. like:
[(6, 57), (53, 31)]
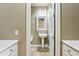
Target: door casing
[(28, 29)]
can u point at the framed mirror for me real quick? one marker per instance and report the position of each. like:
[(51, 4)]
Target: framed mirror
[(41, 22)]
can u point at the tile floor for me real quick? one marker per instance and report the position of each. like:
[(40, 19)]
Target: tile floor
[(35, 52)]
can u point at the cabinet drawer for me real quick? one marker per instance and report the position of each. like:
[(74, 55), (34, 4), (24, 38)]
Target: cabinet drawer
[(69, 50), (9, 51)]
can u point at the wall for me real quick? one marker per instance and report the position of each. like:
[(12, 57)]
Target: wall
[(12, 17), (70, 21), (36, 11)]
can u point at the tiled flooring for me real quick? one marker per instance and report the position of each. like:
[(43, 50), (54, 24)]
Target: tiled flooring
[(34, 52)]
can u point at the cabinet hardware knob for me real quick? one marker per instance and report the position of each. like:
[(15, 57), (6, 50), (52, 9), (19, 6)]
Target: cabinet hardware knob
[(11, 49), (69, 51)]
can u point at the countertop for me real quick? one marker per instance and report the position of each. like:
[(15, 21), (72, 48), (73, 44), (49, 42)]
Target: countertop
[(72, 43), (4, 44)]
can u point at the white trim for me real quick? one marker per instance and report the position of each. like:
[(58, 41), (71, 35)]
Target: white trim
[(57, 40), (40, 45), (28, 29), (51, 29), (45, 19)]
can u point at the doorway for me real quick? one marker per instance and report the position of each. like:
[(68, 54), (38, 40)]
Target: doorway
[(35, 45)]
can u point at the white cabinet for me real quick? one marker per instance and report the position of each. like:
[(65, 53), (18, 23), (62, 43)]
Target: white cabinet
[(10, 51), (69, 51)]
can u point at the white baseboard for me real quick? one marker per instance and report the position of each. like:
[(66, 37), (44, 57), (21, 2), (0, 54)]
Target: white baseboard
[(39, 45)]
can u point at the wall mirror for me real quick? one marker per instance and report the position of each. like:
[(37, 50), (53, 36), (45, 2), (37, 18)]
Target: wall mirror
[(41, 22)]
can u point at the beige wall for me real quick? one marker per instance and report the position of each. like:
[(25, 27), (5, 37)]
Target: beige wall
[(12, 17), (36, 12), (70, 21)]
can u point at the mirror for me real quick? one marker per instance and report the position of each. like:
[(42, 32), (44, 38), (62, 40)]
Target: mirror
[(41, 22)]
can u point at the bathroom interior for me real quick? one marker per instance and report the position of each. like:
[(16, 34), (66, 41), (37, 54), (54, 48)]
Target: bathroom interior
[(40, 15), (39, 29)]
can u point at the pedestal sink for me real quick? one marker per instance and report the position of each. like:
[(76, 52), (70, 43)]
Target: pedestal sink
[(42, 33), (42, 36)]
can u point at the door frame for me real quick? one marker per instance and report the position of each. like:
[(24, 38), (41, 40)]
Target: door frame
[(51, 31), (57, 30), (28, 29)]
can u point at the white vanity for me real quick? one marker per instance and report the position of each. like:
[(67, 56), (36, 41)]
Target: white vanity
[(8, 48), (70, 47)]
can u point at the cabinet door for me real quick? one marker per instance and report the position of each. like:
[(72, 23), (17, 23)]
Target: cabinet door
[(66, 49), (65, 54), (5, 53), (13, 54), (14, 51), (11, 51)]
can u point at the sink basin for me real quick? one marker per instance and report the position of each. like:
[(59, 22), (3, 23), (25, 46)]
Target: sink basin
[(42, 31), (42, 35)]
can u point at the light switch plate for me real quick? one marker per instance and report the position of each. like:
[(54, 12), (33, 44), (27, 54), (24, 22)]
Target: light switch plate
[(16, 32)]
